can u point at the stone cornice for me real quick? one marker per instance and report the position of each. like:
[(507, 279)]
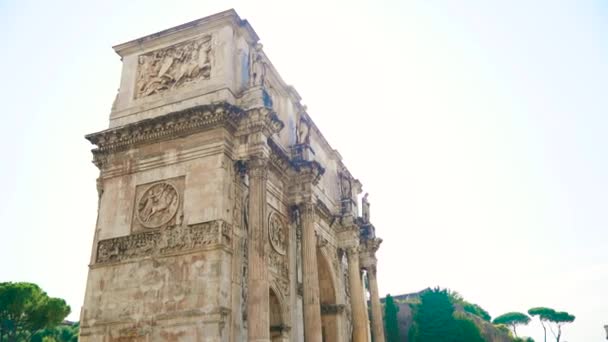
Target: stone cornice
[(230, 15), (324, 212), (172, 125), (278, 157), (261, 119), (312, 168)]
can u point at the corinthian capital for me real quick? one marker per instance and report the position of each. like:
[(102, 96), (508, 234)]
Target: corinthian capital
[(258, 167), (352, 251), (307, 209), (372, 245)]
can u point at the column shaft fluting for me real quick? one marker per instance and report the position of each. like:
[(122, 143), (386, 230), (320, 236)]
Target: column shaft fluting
[(312, 306), (377, 323), (258, 311), (356, 296)]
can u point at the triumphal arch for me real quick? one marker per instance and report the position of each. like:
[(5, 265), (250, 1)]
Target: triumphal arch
[(224, 214)]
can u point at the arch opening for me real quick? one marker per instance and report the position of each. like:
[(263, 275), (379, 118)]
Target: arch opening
[(278, 328), (327, 298)]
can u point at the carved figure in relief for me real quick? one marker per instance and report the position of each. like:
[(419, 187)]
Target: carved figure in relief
[(277, 234), (173, 66), (258, 66), (163, 241), (365, 208), (157, 205)]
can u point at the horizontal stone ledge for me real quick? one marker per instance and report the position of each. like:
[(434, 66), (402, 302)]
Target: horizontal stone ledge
[(167, 126)]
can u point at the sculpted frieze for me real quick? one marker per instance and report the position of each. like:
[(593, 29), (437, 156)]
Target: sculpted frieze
[(173, 67), (127, 247), (282, 284), (277, 258), (159, 242), (277, 234)]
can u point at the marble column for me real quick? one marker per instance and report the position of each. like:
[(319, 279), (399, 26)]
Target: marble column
[(258, 311), (359, 315), (310, 281), (377, 323)]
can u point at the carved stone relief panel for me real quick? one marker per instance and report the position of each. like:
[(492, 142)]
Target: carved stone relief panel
[(163, 242), (174, 66), (158, 204), (277, 258), (277, 233)]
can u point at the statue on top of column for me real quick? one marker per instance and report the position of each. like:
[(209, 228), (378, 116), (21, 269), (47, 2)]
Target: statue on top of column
[(303, 129), (346, 186), (365, 208), (258, 67)]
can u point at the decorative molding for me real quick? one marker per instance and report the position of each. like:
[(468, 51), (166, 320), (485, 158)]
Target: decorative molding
[(278, 157), (309, 170), (281, 283), (262, 119), (172, 125), (162, 242), (324, 212)]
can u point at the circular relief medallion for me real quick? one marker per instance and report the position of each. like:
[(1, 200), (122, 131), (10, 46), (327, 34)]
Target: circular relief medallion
[(157, 205), (277, 233)]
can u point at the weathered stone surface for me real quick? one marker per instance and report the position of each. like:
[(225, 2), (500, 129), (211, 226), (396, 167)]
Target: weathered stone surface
[(224, 214)]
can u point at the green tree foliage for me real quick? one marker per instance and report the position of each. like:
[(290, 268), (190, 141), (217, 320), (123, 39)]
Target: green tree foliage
[(476, 310), (25, 309), (390, 320), (512, 319), (525, 339), (553, 319), (61, 333), (559, 319), (543, 316), (434, 320), (471, 308)]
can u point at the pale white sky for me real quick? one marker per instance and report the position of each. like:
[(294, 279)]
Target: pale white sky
[(478, 127)]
